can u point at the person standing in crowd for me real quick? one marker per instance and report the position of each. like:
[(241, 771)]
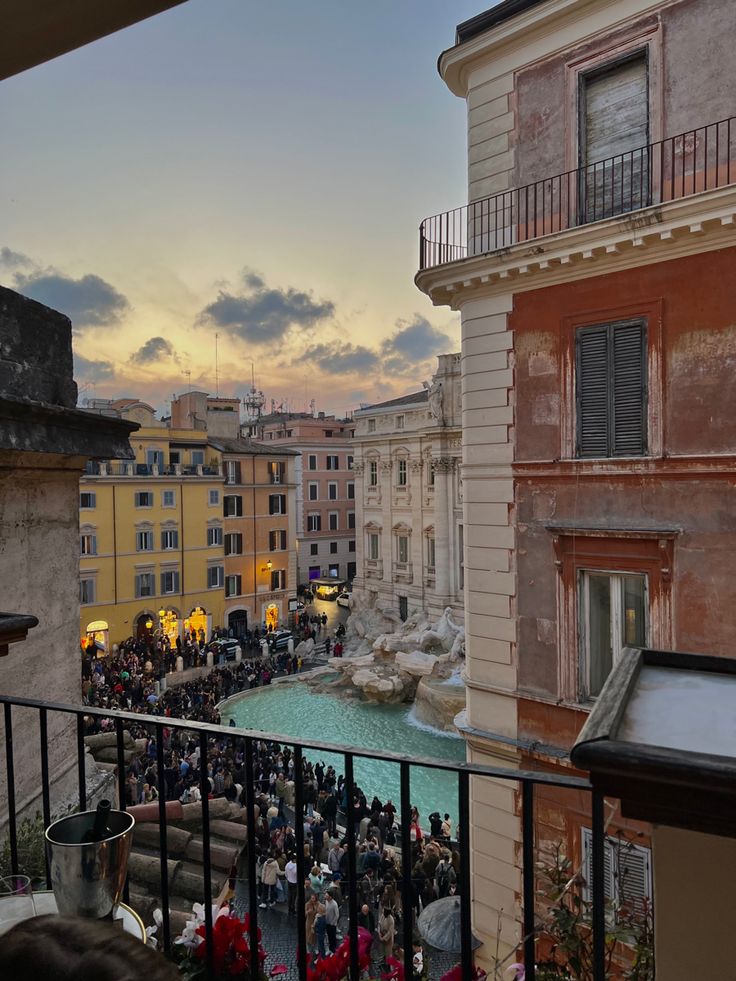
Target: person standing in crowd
[(386, 932), (332, 917), (291, 873)]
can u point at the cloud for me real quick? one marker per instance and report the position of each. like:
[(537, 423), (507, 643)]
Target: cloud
[(12, 259), (263, 315), (92, 371), (154, 349), (88, 301), (414, 343), (340, 359)]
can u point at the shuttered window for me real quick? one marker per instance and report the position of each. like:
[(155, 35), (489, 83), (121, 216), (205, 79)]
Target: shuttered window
[(614, 138), (627, 872), (611, 390)]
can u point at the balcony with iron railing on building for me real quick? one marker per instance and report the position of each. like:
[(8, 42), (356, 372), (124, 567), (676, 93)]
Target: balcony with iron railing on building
[(104, 468), (694, 162)]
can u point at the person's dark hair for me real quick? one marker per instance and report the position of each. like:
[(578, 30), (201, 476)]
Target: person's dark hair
[(65, 948)]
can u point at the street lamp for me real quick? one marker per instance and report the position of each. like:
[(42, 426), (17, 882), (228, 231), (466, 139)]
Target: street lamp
[(267, 567)]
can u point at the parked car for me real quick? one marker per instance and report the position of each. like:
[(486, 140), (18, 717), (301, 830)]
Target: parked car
[(226, 647), (343, 599), (278, 640)]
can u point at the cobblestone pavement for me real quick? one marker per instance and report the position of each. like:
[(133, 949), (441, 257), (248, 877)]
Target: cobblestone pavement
[(280, 940)]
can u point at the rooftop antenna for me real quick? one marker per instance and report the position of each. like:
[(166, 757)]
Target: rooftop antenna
[(217, 373)]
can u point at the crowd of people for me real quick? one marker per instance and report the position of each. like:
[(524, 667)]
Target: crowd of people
[(127, 680)]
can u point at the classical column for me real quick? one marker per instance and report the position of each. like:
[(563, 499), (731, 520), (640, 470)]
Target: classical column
[(443, 468), (387, 538), (417, 547), (359, 579)]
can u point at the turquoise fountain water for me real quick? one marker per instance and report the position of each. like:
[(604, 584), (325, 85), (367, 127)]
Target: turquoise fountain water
[(296, 711)]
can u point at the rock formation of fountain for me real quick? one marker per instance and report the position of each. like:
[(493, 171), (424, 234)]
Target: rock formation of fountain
[(385, 660)]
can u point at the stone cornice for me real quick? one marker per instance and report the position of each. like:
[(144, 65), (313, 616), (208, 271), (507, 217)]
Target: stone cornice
[(691, 225), (530, 36)]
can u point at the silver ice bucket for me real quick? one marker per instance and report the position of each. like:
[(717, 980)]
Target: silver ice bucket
[(88, 877)]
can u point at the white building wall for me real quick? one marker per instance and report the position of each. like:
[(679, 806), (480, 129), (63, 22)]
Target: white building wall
[(420, 509)]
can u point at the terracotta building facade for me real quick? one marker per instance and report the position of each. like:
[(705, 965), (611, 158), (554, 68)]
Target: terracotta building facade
[(591, 269)]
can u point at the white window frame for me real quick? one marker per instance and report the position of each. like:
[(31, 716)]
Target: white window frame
[(235, 580), (138, 497), (373, 473), (195, 455), (313, 490), (87, 586), (230, 543), (402, 472), (312, 524), (333, 461), (351, 490), (92, 498), (216, 581), (167, 536), (332, 490), (88, 543), (151, 577), (313, 548), (234, 498), (171, 503), (214, 497), (350, 461), (144, 540), (616, 578), (312, 461), (333, 521), (172, 576), (214, 536), (374, 546)]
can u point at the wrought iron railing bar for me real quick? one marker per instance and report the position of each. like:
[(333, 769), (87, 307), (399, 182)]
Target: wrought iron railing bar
[(162, 837), (250, 824), (10, 771), (407, 898), (598, 888), (119, 742), (352, 866), (473, 769), (45, 787), (584, 206), (301, 925), (527, 844), (204, 787), (81, 772), (466, 926)]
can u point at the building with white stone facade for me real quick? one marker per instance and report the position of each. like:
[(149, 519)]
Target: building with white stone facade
[(408, 497)]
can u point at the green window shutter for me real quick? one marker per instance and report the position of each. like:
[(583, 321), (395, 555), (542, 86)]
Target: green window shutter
[(592, 391), (629, 389)]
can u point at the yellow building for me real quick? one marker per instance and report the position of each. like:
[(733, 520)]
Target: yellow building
[(180, 540)]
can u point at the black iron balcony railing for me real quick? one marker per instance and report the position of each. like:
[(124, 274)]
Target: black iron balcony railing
[(699, 160), (247, 742)]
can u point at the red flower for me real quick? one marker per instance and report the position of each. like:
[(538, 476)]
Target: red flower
[(230, 947)]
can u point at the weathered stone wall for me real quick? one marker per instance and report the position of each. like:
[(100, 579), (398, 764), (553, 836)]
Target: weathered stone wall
[(38, 574)]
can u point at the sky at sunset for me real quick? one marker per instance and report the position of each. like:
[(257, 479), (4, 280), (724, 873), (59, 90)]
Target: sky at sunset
[(256, 170)]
